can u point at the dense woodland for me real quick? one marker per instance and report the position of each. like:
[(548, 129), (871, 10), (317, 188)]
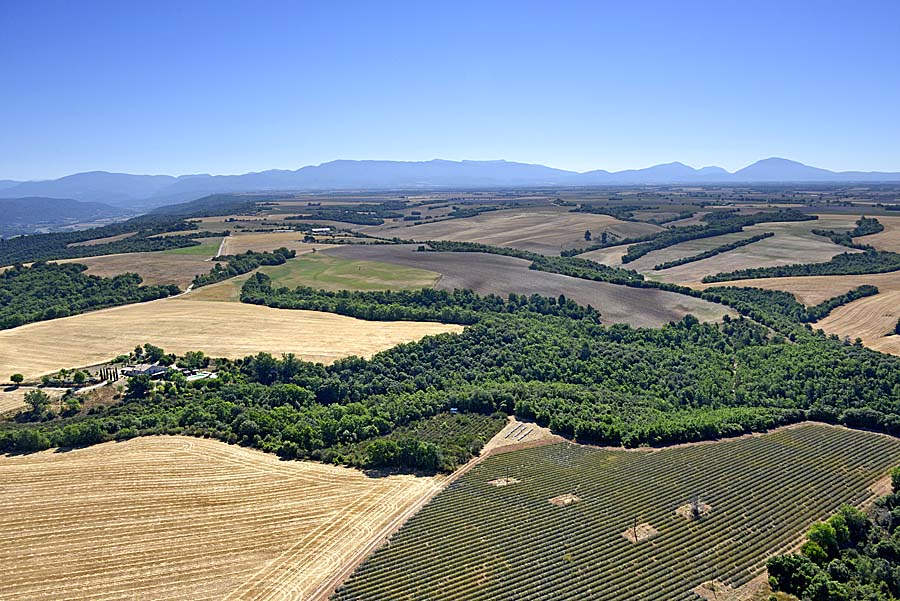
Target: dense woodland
[(851, 556), (48, 290), (46, 247)]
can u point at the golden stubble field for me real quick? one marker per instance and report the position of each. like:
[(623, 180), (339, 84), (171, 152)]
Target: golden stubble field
[(238, 243), (546, 229), (793, 242), (872, 318), (184, 518), (155, 268), (179, 325)]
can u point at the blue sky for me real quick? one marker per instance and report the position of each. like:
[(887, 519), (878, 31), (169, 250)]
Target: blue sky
[(229, 87)]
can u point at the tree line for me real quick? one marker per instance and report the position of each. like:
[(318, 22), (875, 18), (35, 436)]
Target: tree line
[(869, 261), (865, 226), (462, 307), (236, 265), (713, 251), (717, 223)]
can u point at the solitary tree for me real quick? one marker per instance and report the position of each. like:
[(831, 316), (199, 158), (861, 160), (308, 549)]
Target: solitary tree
[(587, 235), (16, 379), (695, 506), (604, 237), (38, 400)]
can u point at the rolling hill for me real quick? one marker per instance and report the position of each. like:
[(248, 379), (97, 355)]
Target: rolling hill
[(144, 192), (38, 214)]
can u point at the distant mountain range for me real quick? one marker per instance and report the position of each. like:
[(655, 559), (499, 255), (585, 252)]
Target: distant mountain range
[(143, 192), (34, 214)]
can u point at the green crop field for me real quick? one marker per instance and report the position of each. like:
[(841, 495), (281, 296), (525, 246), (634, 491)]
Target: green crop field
[(331, 273), (477, 540)]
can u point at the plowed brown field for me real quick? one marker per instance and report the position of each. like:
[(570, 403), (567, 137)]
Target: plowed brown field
[(185, 518)]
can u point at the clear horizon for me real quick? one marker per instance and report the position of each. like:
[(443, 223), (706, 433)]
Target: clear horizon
[(231, 87)]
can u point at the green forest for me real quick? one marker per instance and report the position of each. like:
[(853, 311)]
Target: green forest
[(48, 290), (851, 556)]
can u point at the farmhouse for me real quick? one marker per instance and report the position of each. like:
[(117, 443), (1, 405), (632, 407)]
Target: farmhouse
[(154, 371), (321, 230)]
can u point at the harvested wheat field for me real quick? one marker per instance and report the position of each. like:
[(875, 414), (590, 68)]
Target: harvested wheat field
[(155, 268), (813, 289), (872, 319), (185, 518), (887, 239), (545, 230), (106, 240), (496, 274), (219, 329), (236, 244), (793, 242), (13, 399)]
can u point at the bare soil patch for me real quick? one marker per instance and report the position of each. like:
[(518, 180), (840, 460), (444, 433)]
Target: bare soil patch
[(793, 242), (644, 532), (183, 518), (238, 243), (518, 434), (503, 481), (888, 238), (178, 325), (687, 512), (155, 268), (564, 499), (495, 274), (871, 319)]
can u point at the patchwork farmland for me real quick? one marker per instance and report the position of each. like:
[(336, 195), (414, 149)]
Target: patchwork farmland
[(546, 229), (496, 274)]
